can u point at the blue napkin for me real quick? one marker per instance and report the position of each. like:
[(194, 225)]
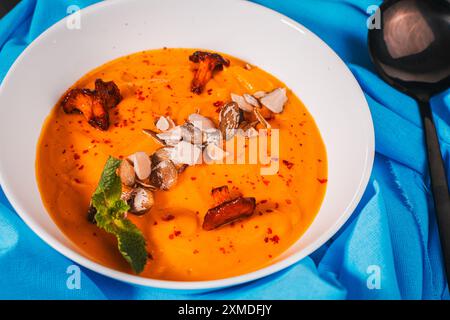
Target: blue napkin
[(389, 249)]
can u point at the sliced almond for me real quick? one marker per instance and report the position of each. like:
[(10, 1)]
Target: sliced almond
[(126, 173), (251, 100), (186, 153), (171, 136), (142, 164), (213, 152), (154, 135), (259, 94), (191, 134), (275, 100), (201, 122), (242, 104), (162, 124)]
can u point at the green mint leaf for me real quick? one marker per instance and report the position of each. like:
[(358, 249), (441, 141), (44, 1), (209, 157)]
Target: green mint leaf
[(110, 216)]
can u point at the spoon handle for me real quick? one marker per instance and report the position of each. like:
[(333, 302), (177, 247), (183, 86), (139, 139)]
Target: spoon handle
[(438, 182)]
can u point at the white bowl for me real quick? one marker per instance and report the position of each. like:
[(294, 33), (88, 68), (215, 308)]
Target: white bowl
[(111, 29)]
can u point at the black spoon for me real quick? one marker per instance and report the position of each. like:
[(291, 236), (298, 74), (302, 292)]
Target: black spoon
[(411, 51)]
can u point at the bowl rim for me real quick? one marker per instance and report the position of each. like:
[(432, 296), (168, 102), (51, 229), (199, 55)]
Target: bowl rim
[(202, 284)]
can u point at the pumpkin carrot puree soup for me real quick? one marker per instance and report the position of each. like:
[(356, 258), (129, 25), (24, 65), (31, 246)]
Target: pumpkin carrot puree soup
[(181, 164)]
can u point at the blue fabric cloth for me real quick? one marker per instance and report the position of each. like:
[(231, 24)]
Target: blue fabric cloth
[(392, 233)]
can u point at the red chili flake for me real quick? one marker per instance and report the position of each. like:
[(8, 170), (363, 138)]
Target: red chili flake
[(288, 164), (269, 230), (322, 180), (168, 217), (275, 239), (266, 182), (218, 103), (85, 151), (230, 181), (76, 156), (171, 236), (195, 251), (256, 227), (64, 151), (155, 223), (319, 160), (77, 180), (222, 250), (80, 167), (158, 72), (209, 92), (266, 239), (193, 178), (106, 141), (263, 201), (177, 233), (270, 256), (269, 210), (169, 86)]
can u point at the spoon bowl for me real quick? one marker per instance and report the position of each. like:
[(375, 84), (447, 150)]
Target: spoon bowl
[(411, 49)]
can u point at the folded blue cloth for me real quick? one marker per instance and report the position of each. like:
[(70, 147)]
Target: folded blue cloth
[(389, 249)]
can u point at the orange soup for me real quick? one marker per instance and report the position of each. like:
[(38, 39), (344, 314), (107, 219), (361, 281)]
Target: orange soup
[(71, 155)]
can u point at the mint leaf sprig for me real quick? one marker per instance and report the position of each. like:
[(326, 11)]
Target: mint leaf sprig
[(110, 216)]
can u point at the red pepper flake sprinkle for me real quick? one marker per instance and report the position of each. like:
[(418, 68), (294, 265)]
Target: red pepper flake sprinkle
[(195, 251), (218, 103), (288, 201), (322, 180), (193, 178), (275, 239), (288, 164), (177, 233), (158, 72), (77, 180), (85, 151), (76, 156), (263, 201), (64, 151), (81, 167), (266, 182), (269, 230)]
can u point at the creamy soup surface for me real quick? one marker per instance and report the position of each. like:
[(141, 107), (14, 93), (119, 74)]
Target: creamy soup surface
[(71, 155)]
